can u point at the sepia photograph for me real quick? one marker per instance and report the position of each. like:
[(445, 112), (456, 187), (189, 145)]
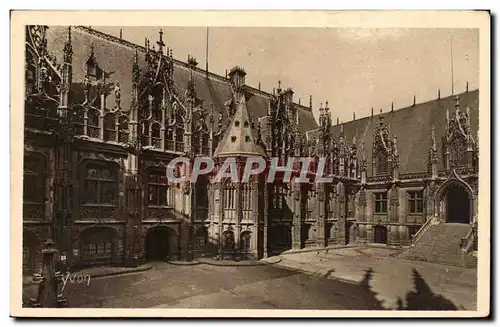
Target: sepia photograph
[(250, 169)]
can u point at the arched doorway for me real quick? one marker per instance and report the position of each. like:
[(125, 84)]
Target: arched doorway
[(380, 234), (458, 204), (160, 243)]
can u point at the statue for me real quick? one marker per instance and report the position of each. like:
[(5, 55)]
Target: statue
[(86, 87), (117, 95)]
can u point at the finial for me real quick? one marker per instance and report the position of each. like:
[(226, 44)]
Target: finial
[(433, 138), (326, 105), (279, 85)]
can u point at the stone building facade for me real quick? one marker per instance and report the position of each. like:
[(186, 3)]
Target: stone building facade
[(104, 117)]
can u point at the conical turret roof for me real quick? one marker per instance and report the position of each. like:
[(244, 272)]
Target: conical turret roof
[(239, 138)]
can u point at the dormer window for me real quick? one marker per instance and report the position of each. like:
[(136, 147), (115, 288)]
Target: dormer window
[(237, 123), (91, 65), (246, 124)]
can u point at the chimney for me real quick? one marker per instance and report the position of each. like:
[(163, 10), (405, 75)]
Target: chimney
[(372, 111), (237, 76), (414, 100), (121, 33), (439, 94), (467, 86), (353, 116), (288, 96), (259, 86), (392, 106), (337, 120)]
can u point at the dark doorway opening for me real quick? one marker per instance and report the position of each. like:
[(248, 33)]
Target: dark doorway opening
[(380, 234), (157, 244), (457, 205)]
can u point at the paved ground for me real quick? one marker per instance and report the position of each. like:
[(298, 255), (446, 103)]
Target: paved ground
[(396, 282), (367, 282)]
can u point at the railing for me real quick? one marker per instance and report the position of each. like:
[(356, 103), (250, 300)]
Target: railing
[(467, 242), (415, 238)]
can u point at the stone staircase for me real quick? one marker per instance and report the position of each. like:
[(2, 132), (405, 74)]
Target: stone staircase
[(442, 243)]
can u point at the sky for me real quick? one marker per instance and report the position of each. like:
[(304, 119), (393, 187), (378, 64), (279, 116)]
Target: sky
[(353, 69)]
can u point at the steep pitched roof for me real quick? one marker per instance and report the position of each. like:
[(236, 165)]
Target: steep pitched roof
[(239, 138), (412, 126), (116, 56)]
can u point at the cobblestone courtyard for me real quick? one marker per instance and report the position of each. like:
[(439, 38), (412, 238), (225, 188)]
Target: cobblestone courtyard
[(349, 279)]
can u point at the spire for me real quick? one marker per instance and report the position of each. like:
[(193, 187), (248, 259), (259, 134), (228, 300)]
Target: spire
[(135, 68), (160, 42), (433, 139), (68, 48), (239, 138), (206, 54)]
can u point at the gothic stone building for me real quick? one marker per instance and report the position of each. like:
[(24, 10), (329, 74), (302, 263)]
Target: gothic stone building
[(104, 117)]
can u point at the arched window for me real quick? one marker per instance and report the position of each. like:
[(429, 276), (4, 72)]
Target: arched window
[(100, 183)]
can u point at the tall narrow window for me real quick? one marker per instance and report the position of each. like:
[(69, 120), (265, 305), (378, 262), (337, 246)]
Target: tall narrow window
[(229, 197), (415, 202), (33, 181), (381, 203), (157, 188), (382, 165), (100, 184)]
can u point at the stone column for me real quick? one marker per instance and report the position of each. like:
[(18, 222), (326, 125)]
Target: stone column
[(321, 210), (297, 217), (47, 291)]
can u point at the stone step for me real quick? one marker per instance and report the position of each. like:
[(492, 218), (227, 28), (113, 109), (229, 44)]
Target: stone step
[(440, 244)]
